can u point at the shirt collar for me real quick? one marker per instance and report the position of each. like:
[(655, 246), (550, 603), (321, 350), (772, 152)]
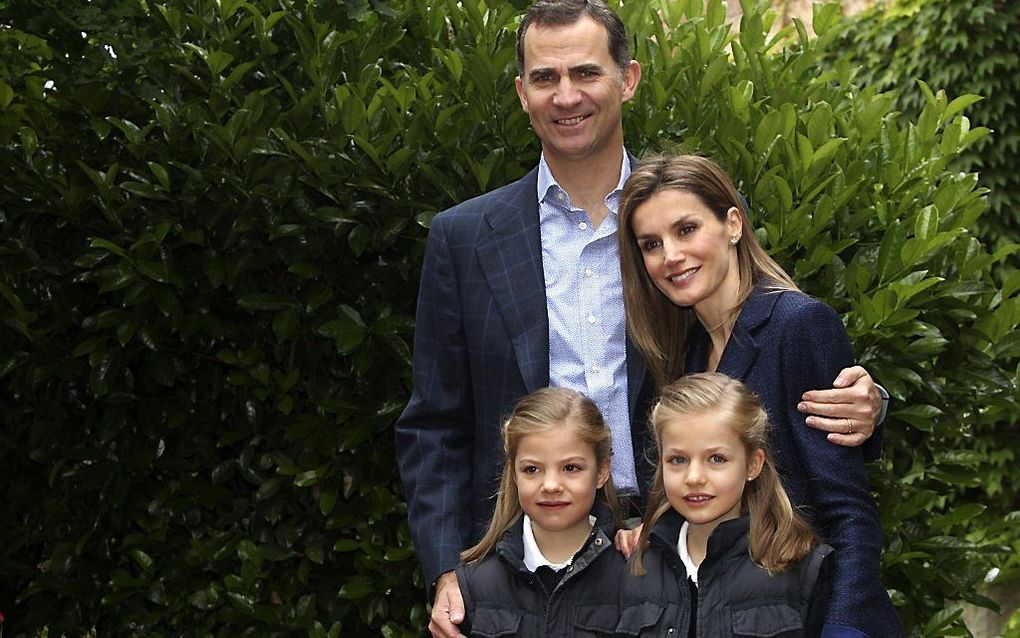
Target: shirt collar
[(547, 182), (533, 558), (681, 548)]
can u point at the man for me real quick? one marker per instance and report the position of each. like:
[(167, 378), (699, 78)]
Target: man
[(521, 289)]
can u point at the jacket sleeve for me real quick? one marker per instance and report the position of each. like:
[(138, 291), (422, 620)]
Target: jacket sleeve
[(814, 347), (434, 433), (464, 582)]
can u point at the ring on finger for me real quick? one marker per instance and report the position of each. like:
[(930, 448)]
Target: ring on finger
[(849, 426)]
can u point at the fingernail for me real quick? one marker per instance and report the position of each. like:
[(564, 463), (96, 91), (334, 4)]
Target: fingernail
[(801, 406)]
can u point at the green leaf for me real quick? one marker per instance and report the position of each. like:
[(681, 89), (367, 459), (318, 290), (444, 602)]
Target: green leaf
[(6, 95), (256, 301), (348, 330)]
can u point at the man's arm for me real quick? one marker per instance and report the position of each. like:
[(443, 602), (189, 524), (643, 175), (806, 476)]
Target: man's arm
[(434, 434), (448, 610), (850, 411)]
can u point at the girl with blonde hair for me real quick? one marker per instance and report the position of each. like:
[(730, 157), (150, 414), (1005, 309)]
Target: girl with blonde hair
[(714, 479), (546, 565)]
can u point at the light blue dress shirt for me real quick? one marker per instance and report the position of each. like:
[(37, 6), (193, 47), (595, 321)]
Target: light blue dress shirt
[(587, 326)]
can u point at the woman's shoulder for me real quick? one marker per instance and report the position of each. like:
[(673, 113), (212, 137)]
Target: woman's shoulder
[(795, 310)]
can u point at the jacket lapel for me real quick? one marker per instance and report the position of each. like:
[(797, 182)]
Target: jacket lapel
[(742, 349), (510, 254)]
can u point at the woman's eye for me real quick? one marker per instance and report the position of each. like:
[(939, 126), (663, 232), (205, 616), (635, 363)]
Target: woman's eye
[(650, 244), (687, 229)]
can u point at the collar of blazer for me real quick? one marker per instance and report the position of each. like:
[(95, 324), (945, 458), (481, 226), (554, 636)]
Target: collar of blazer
[(742, 347)]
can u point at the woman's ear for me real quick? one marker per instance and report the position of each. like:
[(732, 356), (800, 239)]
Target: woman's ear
[(755, 463), (603, 473), (734, 227)]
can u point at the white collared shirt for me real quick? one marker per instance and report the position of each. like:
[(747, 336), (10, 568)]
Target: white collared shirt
[(533, 557), (685, 556)]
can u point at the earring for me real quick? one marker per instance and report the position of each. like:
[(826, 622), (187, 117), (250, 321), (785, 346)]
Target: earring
[(734, 240)]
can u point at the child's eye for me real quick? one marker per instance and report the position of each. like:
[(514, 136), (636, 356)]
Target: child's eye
[(572, 467), (677, 460), (717, 458), (529, 469)]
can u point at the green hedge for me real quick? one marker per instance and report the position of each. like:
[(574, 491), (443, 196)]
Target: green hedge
[(962, 47), (212, 219)]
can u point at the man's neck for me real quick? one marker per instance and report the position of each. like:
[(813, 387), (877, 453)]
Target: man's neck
[(589, 181)]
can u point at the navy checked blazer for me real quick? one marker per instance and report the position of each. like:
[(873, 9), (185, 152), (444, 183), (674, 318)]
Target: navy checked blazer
[(784, 344), (481, 343)]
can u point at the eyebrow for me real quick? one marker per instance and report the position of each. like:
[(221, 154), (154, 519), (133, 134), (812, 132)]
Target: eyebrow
[(548, 70), (569, 459)]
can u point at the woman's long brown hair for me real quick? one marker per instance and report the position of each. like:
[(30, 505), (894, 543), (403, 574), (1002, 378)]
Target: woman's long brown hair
[(658, 327)]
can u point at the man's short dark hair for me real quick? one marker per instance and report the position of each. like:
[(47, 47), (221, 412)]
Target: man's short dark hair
[(558, 13)]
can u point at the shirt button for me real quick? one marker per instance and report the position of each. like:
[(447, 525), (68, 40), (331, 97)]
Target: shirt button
[(592, 319), (583, 226), (670, 630), (588, 272), (570, 569), (598, 542), (596, 368)]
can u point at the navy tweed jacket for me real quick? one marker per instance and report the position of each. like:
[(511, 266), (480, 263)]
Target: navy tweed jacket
[(783, 344)]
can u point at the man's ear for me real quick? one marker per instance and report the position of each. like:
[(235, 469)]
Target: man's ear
[(519, 84), (631, 78), (755, 463), (603, 473)]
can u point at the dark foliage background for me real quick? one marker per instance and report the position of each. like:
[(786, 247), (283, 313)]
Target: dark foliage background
[(211, 220)]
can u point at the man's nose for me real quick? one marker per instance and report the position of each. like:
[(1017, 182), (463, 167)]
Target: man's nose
[(567, 95)]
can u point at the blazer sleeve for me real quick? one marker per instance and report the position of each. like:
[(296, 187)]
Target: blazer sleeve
[(813, 348), (434, 434)]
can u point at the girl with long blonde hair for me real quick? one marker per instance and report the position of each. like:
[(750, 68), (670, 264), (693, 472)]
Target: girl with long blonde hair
[(715, 480), (546, 565)]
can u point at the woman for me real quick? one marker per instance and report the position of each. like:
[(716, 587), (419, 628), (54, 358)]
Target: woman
[(702, 295)]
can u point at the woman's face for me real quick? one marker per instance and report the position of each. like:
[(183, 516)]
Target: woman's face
[(688, 253)]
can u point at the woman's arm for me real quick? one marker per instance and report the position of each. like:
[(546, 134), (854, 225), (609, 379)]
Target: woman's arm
[(813, 348)]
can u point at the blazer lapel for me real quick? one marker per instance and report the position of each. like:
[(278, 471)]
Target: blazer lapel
[(510, 254), (742, 349)]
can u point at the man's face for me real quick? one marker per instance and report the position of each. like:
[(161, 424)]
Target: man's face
[(573, 90)]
